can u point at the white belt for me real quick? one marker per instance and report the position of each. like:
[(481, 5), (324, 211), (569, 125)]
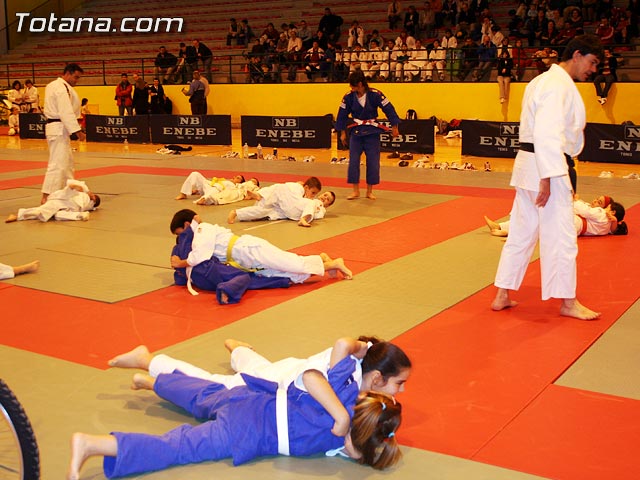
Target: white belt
[(189, 287), (282, 422)]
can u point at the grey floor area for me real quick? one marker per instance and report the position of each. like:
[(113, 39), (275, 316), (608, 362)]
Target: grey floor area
[(131, 234)]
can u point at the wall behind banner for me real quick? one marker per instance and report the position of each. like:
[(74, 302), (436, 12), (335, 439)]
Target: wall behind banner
[(444, 100)]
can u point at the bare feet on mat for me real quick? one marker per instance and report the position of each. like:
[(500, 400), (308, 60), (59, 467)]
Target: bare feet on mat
[(142, 381), (182, 196), (353, 196), (27, 268), (571, 307), (371, 196), (491, 224), (79, 454), (502, 300), (139, 357), (338, 265), (232, 216), (231, 344), (11, 218)]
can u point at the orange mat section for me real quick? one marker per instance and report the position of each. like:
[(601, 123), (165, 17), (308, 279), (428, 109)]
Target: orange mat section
[(171, 315), (571, 434), (18, 165), (477, 370)]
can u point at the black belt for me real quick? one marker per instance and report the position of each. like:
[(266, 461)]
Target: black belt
[(528, 147), (53, 120)]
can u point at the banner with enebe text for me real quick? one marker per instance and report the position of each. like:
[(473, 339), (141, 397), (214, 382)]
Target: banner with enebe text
[(286, 132), (107, 128), (32, 125), (416, 136), (611, 143), (490, 139), (192, 129)]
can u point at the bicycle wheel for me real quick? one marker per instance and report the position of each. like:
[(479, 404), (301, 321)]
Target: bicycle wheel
[(19, 456)]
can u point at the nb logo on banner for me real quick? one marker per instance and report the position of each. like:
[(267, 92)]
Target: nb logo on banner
[(285, 122), (190, 120), (114, 120), (632, 132), (509, 130)]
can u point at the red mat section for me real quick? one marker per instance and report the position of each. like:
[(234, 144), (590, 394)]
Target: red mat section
[(571, 434), (476, 370), (18, 165)]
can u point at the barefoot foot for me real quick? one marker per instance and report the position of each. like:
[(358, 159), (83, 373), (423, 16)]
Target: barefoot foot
[(338, 265), (79, 455), (371, 196), (491, 224), (142, 381), (573, 308), (11, 218), (182, 196), (502, 301), (232, 216), (231, 344), (27, 268), (353, 196), (139, 357)]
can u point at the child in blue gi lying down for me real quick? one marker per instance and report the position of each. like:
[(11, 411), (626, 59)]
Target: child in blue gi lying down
[(254, 420)]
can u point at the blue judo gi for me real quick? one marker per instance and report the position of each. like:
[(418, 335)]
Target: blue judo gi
[(241, 423), (215, 276), (364, 138)]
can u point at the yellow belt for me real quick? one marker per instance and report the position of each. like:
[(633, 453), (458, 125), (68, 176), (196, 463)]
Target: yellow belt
[(231, 261)]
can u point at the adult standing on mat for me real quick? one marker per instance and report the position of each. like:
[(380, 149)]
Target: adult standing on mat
[(362, 104), (62, 109), (551, 128)]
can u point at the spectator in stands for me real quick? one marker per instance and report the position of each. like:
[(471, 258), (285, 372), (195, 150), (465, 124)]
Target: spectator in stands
[(403, 56), (393, 14), (258, 71), (449, 43), (565, 34), (374, 37), (520, 60), (313, 59), (477, 7), (14, 122), (606, 74), (340, 71), (124, 90), (589, 10), (437, 58), (544, 58), (487, 53), (191, 61), (469, 58), (165, 65), (358, 59), (294, 54), (605, 31), (537, 26), (575, 21), (412, 21), (270, 33), (356, 34), (549, 36), (330, 25), (233, 33), (405, 39), (156, 97), (140, 95), (389, 59), (603, 8), (449, 11), (496, 36), (246, 32), (504, 67), (464, 18), (375, 58), (437, 10), (197, 93), (205, 56), (305, 34), (427, 21), (15, 94), (30, 97), (622, 26)]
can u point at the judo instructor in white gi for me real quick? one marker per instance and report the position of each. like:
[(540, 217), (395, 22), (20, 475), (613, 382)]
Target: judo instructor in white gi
[(62, 109), (551, 134)]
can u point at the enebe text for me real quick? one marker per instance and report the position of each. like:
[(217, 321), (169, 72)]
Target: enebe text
[(53, 24)]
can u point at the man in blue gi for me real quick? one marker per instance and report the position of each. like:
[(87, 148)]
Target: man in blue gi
[(362, 104)]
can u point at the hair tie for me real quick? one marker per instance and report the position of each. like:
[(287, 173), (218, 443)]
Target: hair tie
[(384, 406), (392, 434)]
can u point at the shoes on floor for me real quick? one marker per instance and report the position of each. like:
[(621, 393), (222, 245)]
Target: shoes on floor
[(632, 176), (406, 156), (394, 155), (605, 174), (403, 163)]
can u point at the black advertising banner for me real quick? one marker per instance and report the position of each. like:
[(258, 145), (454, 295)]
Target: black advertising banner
[(32, 125), (289, 132), (415, 136), (106, 128), (193, 129), (611, 143), (490, 139)]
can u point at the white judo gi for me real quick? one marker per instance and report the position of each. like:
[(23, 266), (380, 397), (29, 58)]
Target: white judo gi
[(587, 220), (237, 193), (281, 201), (251, 253), (62, 109), (553, 120), (6, 271), (246, 360), (64, 204)]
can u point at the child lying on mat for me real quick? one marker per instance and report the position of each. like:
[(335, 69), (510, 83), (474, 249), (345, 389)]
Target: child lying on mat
[(254, 420), (7, 271)]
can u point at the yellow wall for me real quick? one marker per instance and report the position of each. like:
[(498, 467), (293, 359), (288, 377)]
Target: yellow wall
[(444, 100)]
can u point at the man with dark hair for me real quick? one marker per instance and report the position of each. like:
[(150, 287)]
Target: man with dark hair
[(551, 134), (205, 56), (362, 105), (165, 64), (62, 109)]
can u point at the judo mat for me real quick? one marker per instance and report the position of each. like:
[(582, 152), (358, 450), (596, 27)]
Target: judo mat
[(481, 401)]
